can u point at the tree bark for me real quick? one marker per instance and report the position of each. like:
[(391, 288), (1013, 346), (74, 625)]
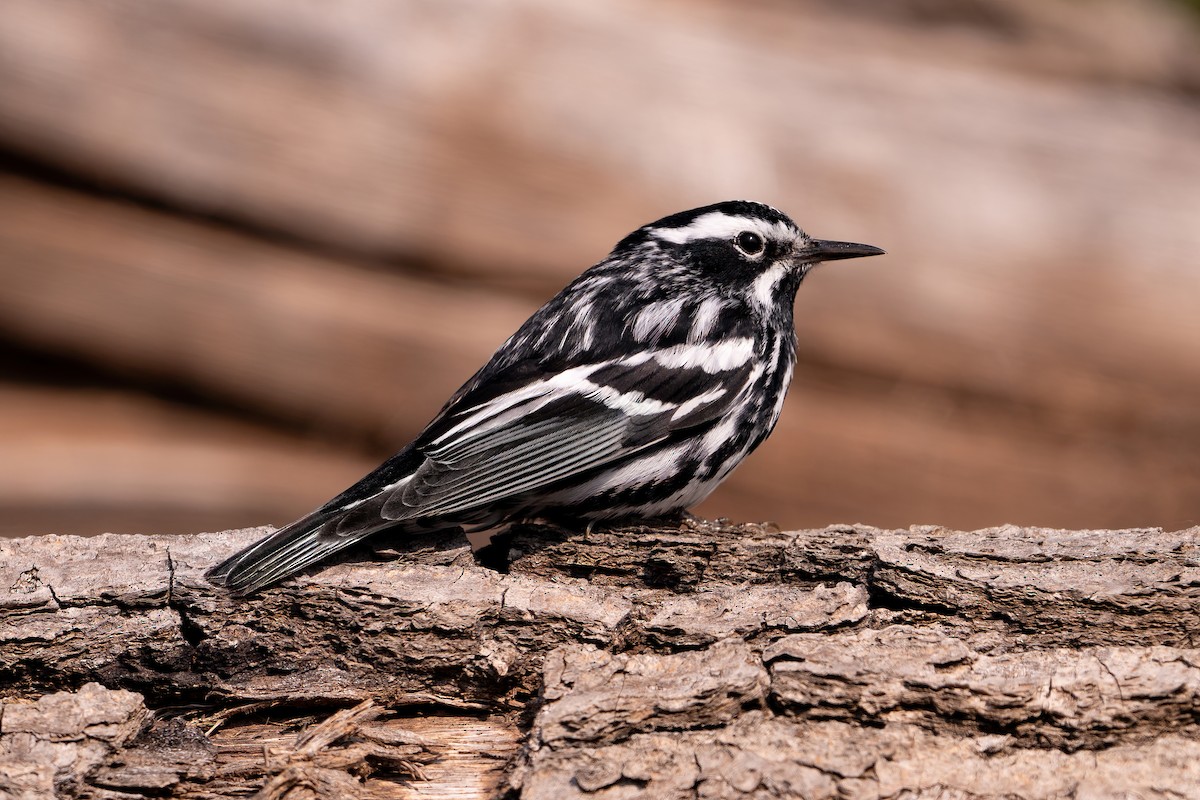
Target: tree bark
[(704, 660)]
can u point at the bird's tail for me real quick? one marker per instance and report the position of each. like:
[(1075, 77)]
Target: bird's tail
[(285, 552)]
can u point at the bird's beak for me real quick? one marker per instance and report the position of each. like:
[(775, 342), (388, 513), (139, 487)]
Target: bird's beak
[(824, 250)]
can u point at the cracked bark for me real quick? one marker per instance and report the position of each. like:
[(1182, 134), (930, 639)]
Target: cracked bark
[(700, 661)]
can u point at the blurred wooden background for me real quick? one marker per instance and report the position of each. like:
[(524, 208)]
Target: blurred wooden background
[(248, 249)]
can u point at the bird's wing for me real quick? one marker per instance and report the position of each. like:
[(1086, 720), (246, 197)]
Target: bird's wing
[(512, 438), (544, 433)]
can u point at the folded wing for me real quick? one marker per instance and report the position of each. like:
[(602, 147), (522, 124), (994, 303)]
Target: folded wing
[(490, 454)]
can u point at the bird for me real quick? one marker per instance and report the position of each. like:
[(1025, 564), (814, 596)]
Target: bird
[(628, 396)]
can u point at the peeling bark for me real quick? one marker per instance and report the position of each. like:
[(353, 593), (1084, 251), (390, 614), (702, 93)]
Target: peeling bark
[(699, 661)]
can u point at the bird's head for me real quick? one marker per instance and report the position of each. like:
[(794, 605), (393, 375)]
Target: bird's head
[(741, 246)]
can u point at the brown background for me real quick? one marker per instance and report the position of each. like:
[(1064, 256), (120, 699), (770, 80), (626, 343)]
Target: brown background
[(248, 249)]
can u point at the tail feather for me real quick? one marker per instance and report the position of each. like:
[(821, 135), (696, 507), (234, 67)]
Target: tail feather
[(285, 552)]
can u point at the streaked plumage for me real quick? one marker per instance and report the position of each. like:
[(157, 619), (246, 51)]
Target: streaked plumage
[(630, 394)]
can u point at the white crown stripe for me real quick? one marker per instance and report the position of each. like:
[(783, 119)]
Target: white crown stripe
[(719, 225)]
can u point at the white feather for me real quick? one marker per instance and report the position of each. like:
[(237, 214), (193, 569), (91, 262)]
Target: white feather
[(765, 284), (718, 225), (706, 317), (507, 408), (712, 358), (638, 472), (655, 319), (582, 327)]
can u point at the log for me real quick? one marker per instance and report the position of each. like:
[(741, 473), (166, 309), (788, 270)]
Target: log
[(698, 660)]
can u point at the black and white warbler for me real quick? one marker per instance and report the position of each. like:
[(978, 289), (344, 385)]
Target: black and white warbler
[(630, 395)]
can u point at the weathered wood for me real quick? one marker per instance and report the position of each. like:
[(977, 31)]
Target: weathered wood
[(668, 662), (761, 756), (104, 743)]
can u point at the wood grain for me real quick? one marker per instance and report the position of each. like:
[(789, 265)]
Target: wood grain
[(846, 662)]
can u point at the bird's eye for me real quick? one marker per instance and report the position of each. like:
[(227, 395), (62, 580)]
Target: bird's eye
[(749, 243)]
